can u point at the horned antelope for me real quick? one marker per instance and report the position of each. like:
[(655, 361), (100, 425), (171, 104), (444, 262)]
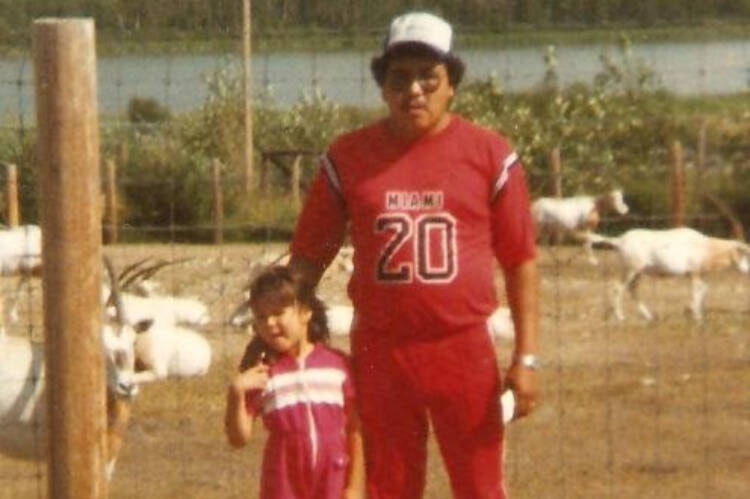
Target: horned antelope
[(23, 430), (166, 345)]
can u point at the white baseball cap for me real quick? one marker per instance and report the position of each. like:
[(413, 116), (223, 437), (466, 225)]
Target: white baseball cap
[(420, 27)]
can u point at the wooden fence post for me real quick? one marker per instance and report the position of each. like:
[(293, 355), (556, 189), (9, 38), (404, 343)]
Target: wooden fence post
[(296, 177), (218, 202), (11, 195), (264, 172), (676, 186), (110, 203), (68, 155), (556, 176), (556, 172), (700, 160), (247, 94)]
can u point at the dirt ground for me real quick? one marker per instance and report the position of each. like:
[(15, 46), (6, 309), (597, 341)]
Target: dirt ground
[(630, 409)]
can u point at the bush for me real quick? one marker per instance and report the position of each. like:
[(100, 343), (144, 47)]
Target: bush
[(145, 110), (615, 131)]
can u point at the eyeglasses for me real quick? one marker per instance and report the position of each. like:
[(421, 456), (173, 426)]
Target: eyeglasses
[(399, 80)]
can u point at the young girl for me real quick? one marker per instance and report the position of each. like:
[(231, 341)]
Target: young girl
[(303, 391)]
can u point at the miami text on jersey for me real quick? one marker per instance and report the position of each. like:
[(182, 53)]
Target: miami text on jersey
[(413, 200)]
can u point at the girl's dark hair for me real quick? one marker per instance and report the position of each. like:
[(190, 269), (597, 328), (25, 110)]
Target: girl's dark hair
[(379, 64), (286, 287)]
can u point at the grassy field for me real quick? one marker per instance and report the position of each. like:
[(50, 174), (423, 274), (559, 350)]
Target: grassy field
[(629, 409)]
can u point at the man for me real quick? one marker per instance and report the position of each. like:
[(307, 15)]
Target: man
[(430, 201)]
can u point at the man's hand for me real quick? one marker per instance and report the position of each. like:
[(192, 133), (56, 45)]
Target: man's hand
[(522, 380)]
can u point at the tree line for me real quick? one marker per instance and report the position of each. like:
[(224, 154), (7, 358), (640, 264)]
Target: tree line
[(212, 18)]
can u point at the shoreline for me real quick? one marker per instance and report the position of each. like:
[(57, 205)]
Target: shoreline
[(316, 40)]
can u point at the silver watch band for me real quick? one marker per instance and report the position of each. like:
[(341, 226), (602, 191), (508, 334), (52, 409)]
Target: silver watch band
[(528, 360)]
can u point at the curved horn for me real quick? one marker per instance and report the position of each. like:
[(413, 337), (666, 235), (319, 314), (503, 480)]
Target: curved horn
[(132, 268), (149, 271), (115, 297)]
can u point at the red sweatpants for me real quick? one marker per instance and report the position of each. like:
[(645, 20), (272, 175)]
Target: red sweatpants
[(452, 382)]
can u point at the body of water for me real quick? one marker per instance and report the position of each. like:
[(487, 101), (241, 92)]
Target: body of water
[(179, 81)]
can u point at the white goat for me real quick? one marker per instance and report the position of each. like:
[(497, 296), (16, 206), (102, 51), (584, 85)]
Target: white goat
[(671, 252), (577, 216), (23, 431)]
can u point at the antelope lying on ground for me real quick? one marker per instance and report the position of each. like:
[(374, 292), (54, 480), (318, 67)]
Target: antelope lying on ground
[(164, 346), (169, 351), (671, 252), (20, 256), (143, 300), (340, 317), (23, 431), (577, 216), (165, 309)]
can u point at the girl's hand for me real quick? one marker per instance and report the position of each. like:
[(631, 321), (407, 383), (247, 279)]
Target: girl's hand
[(254, 378), (238, 421)]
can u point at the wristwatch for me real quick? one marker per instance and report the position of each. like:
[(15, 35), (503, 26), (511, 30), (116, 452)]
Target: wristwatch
[(528, 360)]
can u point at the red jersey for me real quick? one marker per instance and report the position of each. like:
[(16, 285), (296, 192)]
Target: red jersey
[(427, 223)]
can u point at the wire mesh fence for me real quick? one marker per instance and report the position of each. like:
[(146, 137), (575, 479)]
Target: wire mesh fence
[(655, 409), (630, 408), (179, 81)]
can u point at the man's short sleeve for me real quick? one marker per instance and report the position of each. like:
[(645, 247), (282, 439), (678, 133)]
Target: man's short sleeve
[(513, 234)]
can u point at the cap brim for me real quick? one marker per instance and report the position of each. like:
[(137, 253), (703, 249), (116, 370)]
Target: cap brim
[(416, 49)]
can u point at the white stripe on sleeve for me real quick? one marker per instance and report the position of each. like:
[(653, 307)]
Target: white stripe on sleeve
[(510, 161), (331, 174)]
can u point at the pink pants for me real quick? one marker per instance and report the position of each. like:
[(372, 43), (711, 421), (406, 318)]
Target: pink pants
[(288, 472), (454, 382)]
